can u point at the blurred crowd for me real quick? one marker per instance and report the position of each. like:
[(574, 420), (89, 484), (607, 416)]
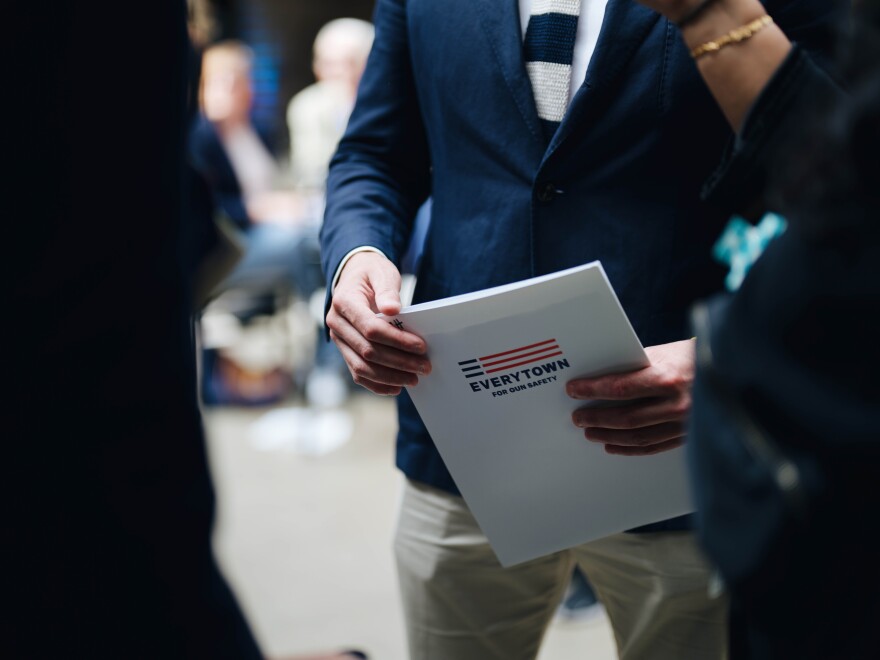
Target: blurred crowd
[(267, 204)]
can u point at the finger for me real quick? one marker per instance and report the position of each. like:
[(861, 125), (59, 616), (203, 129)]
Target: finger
[(355, 310), (671, 370), (646, 412), (649, 435), (650, 450), (370, 352), (379, 388), (385, 283), (365, 372), (644, 383)]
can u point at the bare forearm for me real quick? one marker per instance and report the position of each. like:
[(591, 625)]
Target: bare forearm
[(736, 73)]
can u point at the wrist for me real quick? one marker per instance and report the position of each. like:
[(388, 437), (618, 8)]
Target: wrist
[(358, 260), (362, 257), (688, 12), (720, 17), (365, 249)]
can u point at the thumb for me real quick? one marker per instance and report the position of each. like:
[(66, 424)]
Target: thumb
[(385, 283)]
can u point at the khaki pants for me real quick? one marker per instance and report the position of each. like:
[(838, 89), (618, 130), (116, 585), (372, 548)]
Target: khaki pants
[(460, 604)]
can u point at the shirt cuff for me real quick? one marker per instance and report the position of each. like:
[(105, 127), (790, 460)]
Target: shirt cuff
[(363, 248)]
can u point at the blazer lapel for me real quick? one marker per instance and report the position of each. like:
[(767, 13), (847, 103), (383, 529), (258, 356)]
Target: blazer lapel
[(624, 28), (500, 19)]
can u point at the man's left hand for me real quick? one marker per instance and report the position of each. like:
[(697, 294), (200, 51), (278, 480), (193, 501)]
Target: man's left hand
[(647, 408)]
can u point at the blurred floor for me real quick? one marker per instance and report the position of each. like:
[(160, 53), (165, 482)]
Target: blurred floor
[(305, 540)]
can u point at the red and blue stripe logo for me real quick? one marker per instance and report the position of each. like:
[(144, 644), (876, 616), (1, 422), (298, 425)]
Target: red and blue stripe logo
[(515, 357)]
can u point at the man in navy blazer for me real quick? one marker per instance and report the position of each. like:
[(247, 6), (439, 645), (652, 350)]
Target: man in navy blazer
[(446, 108)]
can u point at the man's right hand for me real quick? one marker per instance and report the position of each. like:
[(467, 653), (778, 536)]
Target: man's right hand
[(379, 356)]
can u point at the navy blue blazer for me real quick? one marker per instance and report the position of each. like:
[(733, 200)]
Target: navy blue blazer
[(209, 158), (445, 108)]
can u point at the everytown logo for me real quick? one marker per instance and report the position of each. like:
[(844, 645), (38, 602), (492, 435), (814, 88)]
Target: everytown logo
[(479, 371)]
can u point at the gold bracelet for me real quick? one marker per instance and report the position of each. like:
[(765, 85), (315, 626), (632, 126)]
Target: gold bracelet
[(733, 37)]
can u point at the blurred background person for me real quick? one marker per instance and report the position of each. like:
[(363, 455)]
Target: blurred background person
[(317, 115), (234, 154), (316, 118), (237, 157), (234, 150)]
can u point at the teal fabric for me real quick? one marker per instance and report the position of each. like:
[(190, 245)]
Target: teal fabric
[(741, 243)]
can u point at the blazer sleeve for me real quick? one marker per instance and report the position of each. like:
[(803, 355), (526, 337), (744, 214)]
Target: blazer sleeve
[(380, 173), (793, 95)]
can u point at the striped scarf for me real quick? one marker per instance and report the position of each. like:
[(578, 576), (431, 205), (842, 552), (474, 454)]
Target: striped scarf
[(549, 49)]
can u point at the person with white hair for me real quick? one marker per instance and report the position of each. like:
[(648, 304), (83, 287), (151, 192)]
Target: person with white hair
[(317, 115)]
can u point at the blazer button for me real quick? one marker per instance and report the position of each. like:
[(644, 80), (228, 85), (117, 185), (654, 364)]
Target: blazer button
[(546, 193)]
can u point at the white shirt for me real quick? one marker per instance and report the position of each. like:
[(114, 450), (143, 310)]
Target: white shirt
[(251, 161), (589, 24)]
